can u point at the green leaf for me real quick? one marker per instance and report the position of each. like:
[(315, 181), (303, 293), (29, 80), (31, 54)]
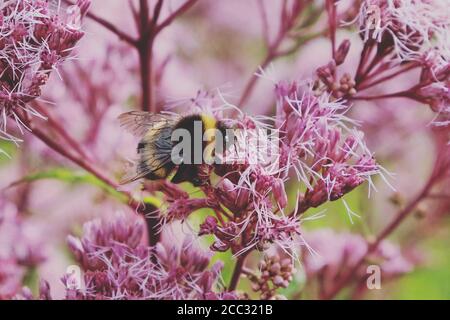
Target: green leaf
[(154, 201), (31, 280), (7, 151), (81, 177), (72, 178)]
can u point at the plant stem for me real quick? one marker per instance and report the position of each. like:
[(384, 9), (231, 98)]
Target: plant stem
[(274, 52), (152, 221), (144, 48), (108, 25), (400, 94), (148, 30), (252, 82), (156, 12), (332, 23), (122, 36), (61, 130), (237, 271), (363, 86), (182, 9)]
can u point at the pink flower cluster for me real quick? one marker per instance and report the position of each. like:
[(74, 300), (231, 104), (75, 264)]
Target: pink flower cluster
[(35, 37), (409, 34), (322, 145), (117, 265), (412, 27)]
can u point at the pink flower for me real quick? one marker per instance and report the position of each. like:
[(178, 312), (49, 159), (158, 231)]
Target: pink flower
[(407, 25), (113, 236), (321, 145), (275, 271), (34, 39), (117, 266)]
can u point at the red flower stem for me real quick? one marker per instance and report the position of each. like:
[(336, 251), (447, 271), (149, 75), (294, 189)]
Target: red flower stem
[(363, 60), (219, 217), (380, 68), (144, 21), (54, 124), (331, 11), (265, 22), (271, 55), (145, 47), (79, 161), (364, 73), (106, 24), (385, 78), (249, 272), (359, 291), (147, 33), (439, 196), (144, 44), (400, 94), (400, 216), (237, 271), (375, 61), (156, 12), (220, 213), (272, 51), (122, 36), (182, 9)]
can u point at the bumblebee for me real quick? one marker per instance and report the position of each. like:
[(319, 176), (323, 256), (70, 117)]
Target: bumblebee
[(155, 149)]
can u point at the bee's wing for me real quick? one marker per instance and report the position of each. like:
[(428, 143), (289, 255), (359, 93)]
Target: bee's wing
[(153, 164), (130, 175), (139, 122), (155, 154)]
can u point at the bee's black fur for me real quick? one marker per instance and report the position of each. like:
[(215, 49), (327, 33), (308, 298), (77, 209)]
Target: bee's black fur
[(156, 148)]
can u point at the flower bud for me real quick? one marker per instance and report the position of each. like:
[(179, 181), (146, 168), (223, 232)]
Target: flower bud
[(278, 281), (208, 227), (44, 290), (342, 52), (327, 73), (280, 193)]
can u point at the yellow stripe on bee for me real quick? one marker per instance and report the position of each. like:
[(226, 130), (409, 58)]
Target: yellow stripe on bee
[(209, 122), (210, 127)]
